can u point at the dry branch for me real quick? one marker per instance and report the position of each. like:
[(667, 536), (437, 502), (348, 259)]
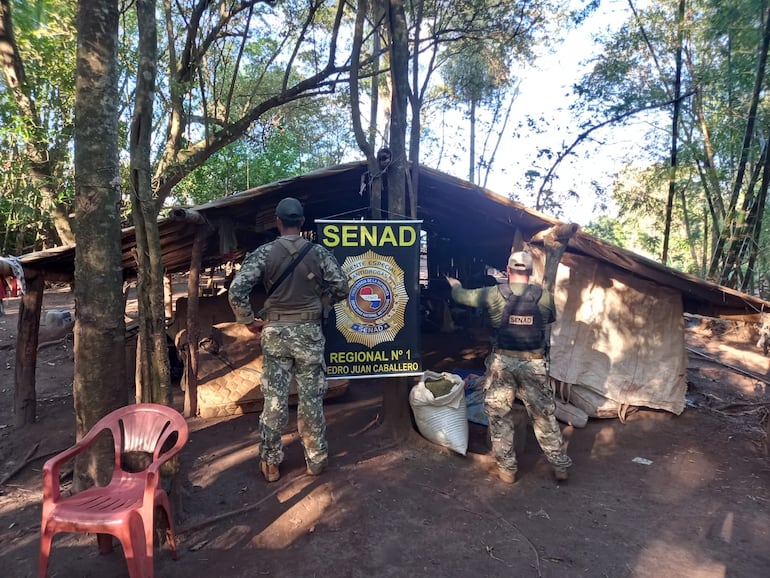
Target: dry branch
[(367, 427), (731, 367)]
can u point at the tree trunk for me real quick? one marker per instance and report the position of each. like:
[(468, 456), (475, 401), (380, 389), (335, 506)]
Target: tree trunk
[(98, 385), (755, 218), (193, 329), (674, 134), (365, 144), (472, 144), (155, 386), (395, 407), (399, 71), (720, 269), (415, 106), (555, 241)]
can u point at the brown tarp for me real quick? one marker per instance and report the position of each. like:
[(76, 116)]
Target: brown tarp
[(620, 337)]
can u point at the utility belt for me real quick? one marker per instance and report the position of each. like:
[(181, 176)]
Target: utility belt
[(304, 316), (518, 354)]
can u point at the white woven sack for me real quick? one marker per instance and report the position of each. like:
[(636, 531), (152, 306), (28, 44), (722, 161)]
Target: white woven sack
[(442, 420)]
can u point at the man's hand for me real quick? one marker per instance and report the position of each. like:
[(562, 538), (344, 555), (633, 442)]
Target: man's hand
[(452, 281), (256, 327)]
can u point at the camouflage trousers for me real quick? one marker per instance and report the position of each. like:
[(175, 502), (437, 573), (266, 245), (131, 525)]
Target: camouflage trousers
[(293, 349), (508, 378)]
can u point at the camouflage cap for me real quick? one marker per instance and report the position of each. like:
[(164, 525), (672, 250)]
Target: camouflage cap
[(289, 208), (520, 261)]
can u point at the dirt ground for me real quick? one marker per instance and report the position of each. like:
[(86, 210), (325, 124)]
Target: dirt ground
[(697, 506)]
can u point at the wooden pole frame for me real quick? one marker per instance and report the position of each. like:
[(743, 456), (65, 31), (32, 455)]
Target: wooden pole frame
[(24, 394)]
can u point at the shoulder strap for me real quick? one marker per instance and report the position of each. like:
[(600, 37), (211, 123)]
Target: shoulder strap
[(290, 268), (533, 292), (536, 291)]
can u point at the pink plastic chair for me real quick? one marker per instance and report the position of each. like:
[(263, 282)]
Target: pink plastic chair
[(124, 508)]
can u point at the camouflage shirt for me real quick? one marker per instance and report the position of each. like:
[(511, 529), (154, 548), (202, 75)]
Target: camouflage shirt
[(333, 286)]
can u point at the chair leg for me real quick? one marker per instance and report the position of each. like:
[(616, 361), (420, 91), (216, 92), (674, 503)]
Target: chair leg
[(105, 543), (134, 549), (149, 543), (46, 538), (165, 508)]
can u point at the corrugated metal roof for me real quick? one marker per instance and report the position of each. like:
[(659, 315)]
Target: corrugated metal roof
[(463, 218)]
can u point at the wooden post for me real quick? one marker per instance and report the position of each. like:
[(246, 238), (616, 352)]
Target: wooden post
[(555, 241), (168, 296), (138, 369), (193, 330), (24, 395)]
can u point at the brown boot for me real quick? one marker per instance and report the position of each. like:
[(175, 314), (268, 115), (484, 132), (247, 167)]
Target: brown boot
[(317, 469), (507, 476), (561, 474), (269, 471)]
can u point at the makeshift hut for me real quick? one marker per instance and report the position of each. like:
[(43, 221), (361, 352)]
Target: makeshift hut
[(619, 339)]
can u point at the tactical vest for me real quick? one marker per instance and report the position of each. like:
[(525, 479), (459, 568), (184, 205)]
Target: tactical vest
[(297, 298), (522, 327)]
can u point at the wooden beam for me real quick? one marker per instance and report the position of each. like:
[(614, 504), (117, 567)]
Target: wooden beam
[(193, 329), (24, 395)]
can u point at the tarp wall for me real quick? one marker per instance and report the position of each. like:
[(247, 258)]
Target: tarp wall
[(620, 337)]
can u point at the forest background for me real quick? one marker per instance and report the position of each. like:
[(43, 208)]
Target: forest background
[(109, 114)]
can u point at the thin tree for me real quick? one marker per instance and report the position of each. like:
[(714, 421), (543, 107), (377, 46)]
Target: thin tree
[(721, 268), (475, 76), (674, 131), (154, 382), (366, 141)]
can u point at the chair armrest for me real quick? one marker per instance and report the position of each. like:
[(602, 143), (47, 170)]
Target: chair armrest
[(52, 466), (152, 473), (154, 468)]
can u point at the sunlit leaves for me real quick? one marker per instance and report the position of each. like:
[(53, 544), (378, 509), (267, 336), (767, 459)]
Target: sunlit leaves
[(36, 118), (722, 43)]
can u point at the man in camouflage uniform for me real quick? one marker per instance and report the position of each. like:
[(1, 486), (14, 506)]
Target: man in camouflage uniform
[(517, 364), (291, 334)]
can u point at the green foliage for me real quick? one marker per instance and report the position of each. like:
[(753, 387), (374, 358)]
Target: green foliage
[(477, 73), (36, 120), (309, 137), (608, 229), (19, 216), (245, 164), (722, 43), (297, 136)]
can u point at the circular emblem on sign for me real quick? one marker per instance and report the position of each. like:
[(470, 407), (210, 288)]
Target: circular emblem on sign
[(373, 313), (370, 298)]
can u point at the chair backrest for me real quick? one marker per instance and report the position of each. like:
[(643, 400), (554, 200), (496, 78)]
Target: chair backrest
[(147, 428)]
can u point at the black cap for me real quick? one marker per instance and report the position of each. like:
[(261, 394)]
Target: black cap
[(289, 208)]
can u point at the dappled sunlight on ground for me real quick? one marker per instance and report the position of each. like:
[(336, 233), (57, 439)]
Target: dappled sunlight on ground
[(662, 558), (208, 470), (658, 496), (686, 470), (298, 519), (605, 443)]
